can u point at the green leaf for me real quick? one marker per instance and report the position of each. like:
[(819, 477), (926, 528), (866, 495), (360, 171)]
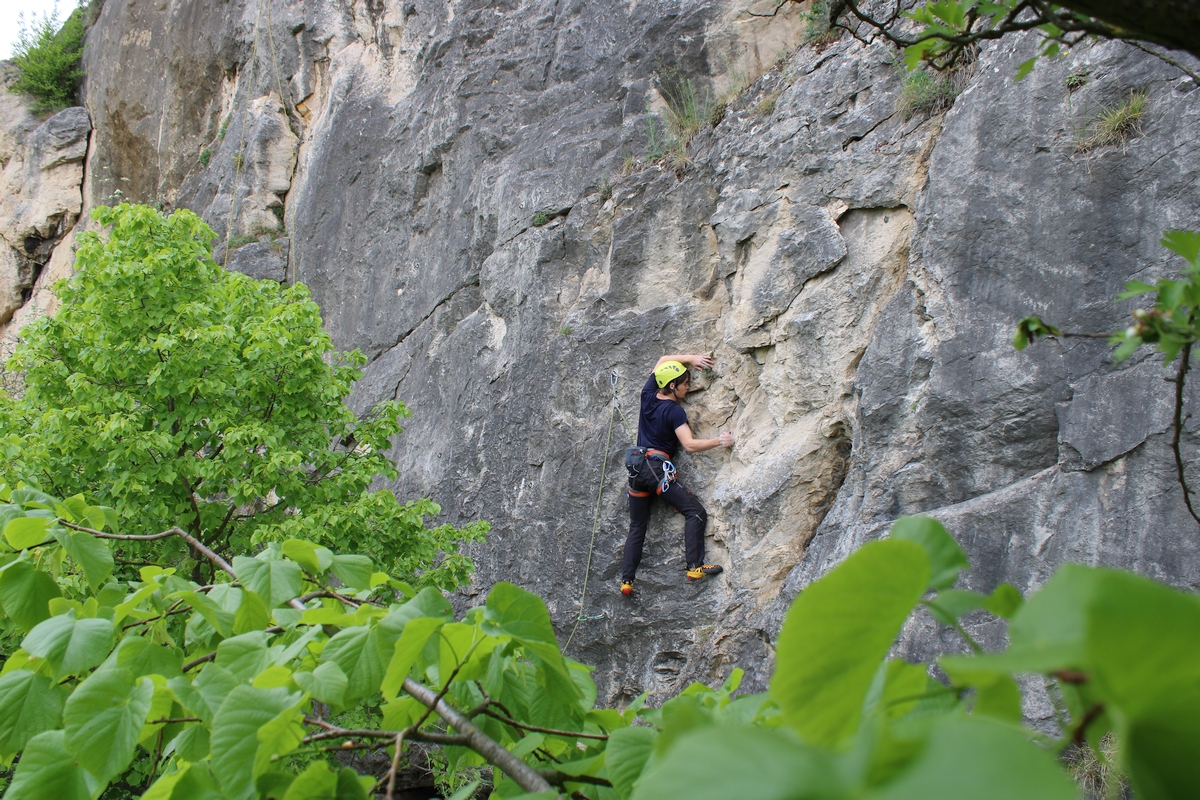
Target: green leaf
[(244, 656), (70, 646), (48, 772), (1143, 649), (25, 594), (354, 652), (402, 712), (408, 647), (465, 793), (192, 782), (983, 760), (308, 555), (276, 582), (1004, 601), (1126, 349), (239, 752), (353, 570), (24, 532), (92, 555), (838, 631), (723, 763), (103, 718), (628, 751), (216, 616), (946, 558), (30, 704), (327, 683), (318, 782), (192, 744), (1185, 244), (251, 615), (164, 787), (141, 657), (513, 611), (951, 604), (1023, 70)]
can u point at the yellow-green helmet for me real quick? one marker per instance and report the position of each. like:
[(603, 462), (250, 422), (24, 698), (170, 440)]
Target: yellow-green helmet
[(668, 371)]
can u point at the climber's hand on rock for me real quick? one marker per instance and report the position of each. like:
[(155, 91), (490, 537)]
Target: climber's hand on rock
[(726, 439), (701, 362)]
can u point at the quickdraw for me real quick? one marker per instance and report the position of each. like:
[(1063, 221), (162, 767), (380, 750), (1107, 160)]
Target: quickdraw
[(668, 476)]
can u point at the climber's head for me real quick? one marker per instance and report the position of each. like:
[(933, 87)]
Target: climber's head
[(673, 379)]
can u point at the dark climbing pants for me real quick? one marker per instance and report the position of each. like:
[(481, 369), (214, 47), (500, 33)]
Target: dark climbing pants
[(683, 501)]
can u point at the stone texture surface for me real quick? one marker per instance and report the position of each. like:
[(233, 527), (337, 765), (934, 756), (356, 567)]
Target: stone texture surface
[(41, 174), (857, 276)]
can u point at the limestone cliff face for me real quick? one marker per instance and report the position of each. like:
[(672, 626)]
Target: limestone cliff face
[(856, 274)]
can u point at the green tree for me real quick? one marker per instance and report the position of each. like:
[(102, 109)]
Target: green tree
[(223, 691), (48, 59), (180, 393)]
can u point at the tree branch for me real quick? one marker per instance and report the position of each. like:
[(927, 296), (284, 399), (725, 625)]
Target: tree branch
[(522, 774), (391, 782), (175, 531), (1185, 358), (559, 778), (536, 729), (1162, 56)]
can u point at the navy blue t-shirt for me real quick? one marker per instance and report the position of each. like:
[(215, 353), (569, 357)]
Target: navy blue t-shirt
[(659, 419)]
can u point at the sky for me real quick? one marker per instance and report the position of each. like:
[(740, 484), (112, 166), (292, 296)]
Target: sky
[(9, 9)]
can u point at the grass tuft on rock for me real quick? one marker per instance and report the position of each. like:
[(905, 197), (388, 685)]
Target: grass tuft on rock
[(1115, 125), (925, 92)]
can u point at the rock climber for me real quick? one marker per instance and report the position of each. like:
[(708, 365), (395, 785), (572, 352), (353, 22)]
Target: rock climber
[(662, 428)]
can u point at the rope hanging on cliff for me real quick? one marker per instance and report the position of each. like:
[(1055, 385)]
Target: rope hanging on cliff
[(615, 411)]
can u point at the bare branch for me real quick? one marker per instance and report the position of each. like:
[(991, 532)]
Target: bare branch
[(1185, 358), (391, 782), (174, 531), (1164, 57), (551, 731), (559, 778)]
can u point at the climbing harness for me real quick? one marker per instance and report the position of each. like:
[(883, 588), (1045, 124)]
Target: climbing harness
[(614, 412)]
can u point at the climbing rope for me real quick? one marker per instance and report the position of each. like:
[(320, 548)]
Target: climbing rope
[(615, 411)]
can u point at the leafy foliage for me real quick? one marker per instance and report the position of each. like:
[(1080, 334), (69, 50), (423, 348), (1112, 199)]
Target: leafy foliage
[(1173, 323), (221, 687), (48, 59), (180, 393), (949, 31)]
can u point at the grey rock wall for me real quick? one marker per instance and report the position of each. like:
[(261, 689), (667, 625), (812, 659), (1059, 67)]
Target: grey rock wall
[(856, 274)]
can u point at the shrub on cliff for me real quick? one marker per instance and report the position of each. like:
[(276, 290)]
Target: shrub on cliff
[(48, 58), (180, 393)]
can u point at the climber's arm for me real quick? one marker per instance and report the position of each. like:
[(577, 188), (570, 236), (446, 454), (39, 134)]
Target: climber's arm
[(694, 445), (691, 360)]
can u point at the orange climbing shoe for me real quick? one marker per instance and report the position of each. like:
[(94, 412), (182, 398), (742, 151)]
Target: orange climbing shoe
[(627, 588), (702, 571)]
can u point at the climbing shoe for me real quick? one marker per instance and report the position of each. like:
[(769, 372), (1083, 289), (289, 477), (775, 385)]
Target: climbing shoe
[(702, 571), (627, 588)]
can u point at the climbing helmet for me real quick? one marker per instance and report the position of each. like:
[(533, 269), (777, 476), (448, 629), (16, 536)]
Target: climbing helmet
[(668, 371)]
